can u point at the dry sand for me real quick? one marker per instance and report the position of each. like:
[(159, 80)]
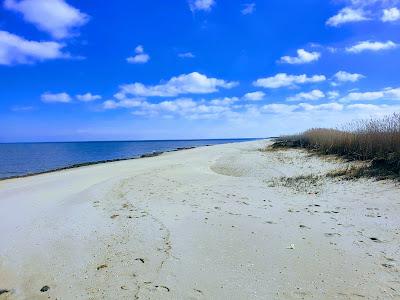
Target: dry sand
[(220, 222)]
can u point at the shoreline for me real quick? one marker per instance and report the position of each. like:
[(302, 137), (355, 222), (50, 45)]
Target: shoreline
[(144, 155), (86, 164), (222, 222)]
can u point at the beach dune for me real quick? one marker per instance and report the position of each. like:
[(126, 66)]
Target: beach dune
[(220, 222)]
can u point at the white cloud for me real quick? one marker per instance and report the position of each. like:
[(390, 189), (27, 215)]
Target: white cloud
[(347, 15), (53, 16), (302, 57), (254, 96), (204, 5), (124, 103), (333, 106), (140, 57), (278, 108), (188, 108), (22, 108), (333, 94), (302, 110), (370, 110), (364, 106), (139, 49), (357, 96), (332, 49), (297, 116), (186, 55), (371, 46), (364, 3), (391, 14), (88, 97), (248, 9), (344, 76), (177, 105), (193, 83), (17, 50), (313, 95), (388, 93), (224, 101), (54, 98), (284, 80)]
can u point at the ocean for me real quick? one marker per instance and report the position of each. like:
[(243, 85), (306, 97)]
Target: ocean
[(20, 159)]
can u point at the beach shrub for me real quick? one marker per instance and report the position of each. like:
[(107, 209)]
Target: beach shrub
[(375, 140)]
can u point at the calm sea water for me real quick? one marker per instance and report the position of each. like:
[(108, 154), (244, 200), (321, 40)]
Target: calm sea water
[(26, 158)]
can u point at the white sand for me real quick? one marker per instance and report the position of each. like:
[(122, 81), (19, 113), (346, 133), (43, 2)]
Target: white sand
[(209, 223)]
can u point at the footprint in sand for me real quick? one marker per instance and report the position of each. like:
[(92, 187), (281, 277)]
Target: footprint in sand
[(269, 222), (332, 234), (376, 240), (304, 226), (101, 267), (199, 291), (45, 288), (163, 287)]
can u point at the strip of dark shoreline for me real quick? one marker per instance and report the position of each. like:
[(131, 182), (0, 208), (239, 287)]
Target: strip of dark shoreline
[(85, 164)]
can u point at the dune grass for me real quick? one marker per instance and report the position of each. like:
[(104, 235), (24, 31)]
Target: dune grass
[(375, 140)]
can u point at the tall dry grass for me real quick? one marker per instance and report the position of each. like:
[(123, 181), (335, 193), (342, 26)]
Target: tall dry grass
[(373, 139)]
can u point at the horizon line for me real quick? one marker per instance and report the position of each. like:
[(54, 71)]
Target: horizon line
[(127, 141)]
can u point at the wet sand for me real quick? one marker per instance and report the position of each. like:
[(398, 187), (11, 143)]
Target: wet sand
[(220, 222)]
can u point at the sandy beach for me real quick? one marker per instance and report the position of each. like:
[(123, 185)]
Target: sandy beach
[(220, 222)]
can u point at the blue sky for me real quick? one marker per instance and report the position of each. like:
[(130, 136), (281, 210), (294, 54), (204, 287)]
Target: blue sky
[(91, 70)]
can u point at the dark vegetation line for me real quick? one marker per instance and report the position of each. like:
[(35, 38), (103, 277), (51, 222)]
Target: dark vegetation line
[(376, 141)]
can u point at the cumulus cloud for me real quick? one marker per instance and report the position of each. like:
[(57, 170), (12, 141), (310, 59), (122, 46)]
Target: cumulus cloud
[(204, 5), (248, 9), (228, 109), (278, 108), (371, 46), (302, 108), (364, 106), (224, 101), (333, 94), (54, 98), (333, 106), (357, 96), (284, 80), (55, 17), (124, 103), (388, 93), (88, 97), (186, 55), (188, 108), (347, 15), (391, 14), (140, 56), (365, 3), (363, 10), (17, 50), (302, 57), (344, 76), (371, 110), (254, 96), (193, 83), (313, 95)]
